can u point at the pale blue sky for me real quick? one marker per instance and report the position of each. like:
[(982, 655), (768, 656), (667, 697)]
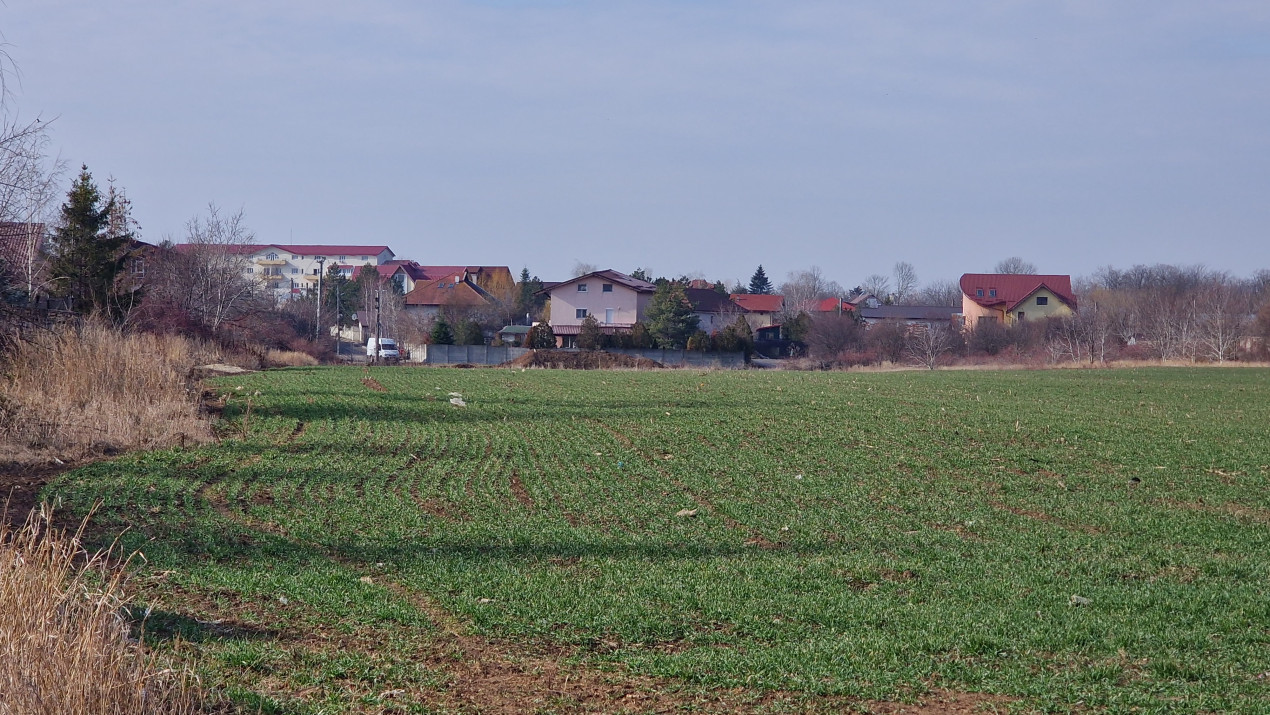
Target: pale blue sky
[(693, 137)]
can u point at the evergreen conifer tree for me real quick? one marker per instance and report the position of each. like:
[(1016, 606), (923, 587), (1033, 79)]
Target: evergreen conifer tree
[(441, 334), (540, 337), (87, 256), (759, 283), (670, 317)]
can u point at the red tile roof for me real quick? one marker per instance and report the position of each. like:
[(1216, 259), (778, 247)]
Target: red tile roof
[(759, 303), (1014, 288), (444, 291), (832, 305), (300, 249)]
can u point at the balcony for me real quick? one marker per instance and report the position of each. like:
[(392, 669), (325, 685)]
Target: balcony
[(270, 262)]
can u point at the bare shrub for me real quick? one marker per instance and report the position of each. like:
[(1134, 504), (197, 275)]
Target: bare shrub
[(926, 345), (88, 388), (65, 645), (831, 335)]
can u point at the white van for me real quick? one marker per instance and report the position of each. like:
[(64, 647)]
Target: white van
[(387, 349)]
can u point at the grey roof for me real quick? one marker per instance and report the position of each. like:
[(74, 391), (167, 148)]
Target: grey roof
[(709, 300), (909, 312), (610, 275)]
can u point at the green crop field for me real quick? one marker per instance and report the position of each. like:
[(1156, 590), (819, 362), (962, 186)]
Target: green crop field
[(1078, 540)]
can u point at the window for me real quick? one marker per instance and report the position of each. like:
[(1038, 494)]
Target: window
[(294, 257), (294, 271), (137, 266), (342, 258), (580, 313), (608, 316), (271, 256), (582, 287), (1042, 300), (978, 292), (1021, 316), (992, 292), (606, 288)]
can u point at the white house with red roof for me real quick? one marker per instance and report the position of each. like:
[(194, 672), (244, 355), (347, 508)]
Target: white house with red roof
[(1012, 297)]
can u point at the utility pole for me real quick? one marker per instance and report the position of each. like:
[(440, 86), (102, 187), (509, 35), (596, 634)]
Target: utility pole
[(339, 319), (321, 261), (378, 290)]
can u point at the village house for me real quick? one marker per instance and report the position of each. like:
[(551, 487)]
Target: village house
[(452, 293), (616, 300), (1009, 297), (714, 310), (760, 309)]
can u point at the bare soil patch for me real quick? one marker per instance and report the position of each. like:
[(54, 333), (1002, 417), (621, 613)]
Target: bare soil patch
[(374, 384), (20, 485), (583, 360)]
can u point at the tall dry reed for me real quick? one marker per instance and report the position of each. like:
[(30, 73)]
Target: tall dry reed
[(85, 388), (65, 646)]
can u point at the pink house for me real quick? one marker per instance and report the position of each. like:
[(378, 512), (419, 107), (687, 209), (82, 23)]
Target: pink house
[(615, 299)]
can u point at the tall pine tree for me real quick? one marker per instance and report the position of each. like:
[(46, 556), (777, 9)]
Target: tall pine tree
[(87, 254), (759, 283)]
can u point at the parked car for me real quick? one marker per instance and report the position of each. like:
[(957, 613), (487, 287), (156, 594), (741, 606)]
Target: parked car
[(387, 349)]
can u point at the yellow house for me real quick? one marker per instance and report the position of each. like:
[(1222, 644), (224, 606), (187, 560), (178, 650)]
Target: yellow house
[(1009, 297)]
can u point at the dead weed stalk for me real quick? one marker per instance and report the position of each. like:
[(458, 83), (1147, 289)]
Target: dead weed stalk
[(65, 645), (92, 388)]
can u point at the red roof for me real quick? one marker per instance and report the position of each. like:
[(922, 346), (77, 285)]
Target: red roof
[(300, 249), (759, 303), (309, 249), (1006, 291), (444, 291), (832, 305)]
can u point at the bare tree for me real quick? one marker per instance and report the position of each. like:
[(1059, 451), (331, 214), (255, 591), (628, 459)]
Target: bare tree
[(1014, 264), (1086, 336), (831, 335), (926, 344), (877, 284), (29, 187), (941, 292), (803, 289), (581, 269), (1223, 319), (208, 276), (905, 281)]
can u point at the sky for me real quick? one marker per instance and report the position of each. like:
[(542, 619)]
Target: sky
[(696, 137)]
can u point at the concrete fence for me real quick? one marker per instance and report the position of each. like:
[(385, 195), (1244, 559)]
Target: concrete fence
[(490, 355), (465, 354)]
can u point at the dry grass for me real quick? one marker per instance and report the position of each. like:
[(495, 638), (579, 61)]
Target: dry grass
[(65, 646), (289, 358), (91, 389)]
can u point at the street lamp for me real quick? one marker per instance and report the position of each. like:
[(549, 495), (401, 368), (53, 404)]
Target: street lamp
[(321, 261)]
